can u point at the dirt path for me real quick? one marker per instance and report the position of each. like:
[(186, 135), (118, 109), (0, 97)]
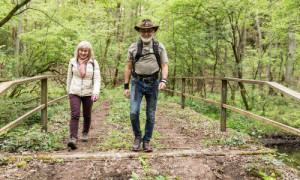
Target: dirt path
[(186, 153), (99, 115)]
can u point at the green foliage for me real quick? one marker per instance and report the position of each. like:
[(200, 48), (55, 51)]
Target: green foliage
[(28, 135), (32, 139), (263, 170), (266, 177), (274, 107), (236, 139)]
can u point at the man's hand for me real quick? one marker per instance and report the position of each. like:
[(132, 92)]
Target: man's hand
[(127, 93), (162, 86)]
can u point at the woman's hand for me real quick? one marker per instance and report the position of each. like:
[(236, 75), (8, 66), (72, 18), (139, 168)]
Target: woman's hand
[(94, 97)]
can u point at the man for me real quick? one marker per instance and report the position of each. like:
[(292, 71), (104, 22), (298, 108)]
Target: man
[(144, 61)]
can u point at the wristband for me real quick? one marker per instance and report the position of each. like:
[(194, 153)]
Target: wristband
[(163, 80), (126, 86)]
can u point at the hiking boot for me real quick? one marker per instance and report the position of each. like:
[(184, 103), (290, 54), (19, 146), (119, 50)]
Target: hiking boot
[(84, 137), (147, 147), (72, 143), (136, 144)]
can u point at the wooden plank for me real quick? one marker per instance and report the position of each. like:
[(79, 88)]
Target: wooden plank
[(193, 77), (243, 80), (14, 123), (194, 97), (181, 153), (224, 78), (293, 94), (6, 85), (21, 119), (202, 99), (265, 120), (246, 113), (57, 100)]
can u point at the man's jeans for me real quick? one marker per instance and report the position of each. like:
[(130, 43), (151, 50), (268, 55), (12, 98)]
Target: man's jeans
[(147, 90)]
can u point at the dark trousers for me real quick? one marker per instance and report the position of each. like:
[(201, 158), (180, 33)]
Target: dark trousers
[(75, 103)]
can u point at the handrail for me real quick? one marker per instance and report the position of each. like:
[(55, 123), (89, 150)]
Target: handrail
[(4, 86), (44, 100), (293, 94)]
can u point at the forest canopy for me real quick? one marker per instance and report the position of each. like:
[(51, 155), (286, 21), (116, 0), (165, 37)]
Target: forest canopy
[(236, 38)]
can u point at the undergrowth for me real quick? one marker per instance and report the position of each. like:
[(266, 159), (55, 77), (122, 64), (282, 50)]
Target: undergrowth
[(29, 134), (275, 107)]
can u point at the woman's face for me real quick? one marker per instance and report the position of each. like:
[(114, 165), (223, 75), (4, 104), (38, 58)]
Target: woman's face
[(83, 53)]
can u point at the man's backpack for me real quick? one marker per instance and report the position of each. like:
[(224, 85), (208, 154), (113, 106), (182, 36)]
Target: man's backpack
[(139, 53)]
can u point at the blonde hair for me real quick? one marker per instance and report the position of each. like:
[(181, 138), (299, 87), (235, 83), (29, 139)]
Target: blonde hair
[(83, 45)]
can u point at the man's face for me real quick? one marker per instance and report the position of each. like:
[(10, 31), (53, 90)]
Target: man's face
[(147, 33)]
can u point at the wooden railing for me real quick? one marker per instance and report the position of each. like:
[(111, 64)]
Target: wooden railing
[(293, 94), (4, 86)]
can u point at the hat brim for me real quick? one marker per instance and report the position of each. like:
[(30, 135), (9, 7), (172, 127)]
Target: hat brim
[(154, 27)]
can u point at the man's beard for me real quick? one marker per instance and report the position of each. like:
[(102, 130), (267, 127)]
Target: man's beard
[(146, 40)]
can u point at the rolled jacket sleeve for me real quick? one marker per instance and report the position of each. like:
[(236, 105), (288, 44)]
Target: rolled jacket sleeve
[(69, 76), (97, 78)]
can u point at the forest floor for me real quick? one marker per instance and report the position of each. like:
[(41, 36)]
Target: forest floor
[(189, 146)]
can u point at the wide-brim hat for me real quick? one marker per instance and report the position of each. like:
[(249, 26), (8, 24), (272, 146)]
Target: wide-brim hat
[(146, 24)]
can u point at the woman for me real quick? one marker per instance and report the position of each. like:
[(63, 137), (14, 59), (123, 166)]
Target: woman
[(83, 86)]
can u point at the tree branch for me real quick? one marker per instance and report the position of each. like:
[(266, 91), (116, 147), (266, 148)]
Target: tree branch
[(43, 13), (12, 12)]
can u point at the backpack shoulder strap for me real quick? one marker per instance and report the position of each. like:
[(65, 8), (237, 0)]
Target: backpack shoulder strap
[(138, 54), (156, 53), (139, 51)]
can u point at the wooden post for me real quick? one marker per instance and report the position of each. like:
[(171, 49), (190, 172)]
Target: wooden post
[(223, 101), (44, 100), (182, 92)]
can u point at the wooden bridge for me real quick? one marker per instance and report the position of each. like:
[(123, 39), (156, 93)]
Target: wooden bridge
[(188, 148), (4, 86)]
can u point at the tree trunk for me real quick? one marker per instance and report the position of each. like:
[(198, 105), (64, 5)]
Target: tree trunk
[(270, 78), (118, 16), (281, 74), (237, 47), (215, 65), (175, 58), (103, 73), (117, 66), (202, 81), (290, 59), (259, 66), (12, 12)]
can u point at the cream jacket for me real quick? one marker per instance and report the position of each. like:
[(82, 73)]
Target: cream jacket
[(89, 84)]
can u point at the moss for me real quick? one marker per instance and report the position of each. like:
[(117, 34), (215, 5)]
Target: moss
[(13, 158), (45, 159), (3, 161), (26, 158), (278, 173), (58, 160), (244, 146), (42, 157), (21, 164), (254, 173)]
